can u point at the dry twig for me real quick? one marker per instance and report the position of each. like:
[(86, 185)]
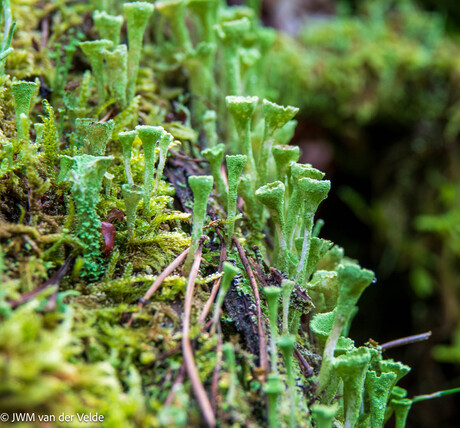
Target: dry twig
[(163, 275), (406, 340), (54, 280), (187, 350), (215, 287)]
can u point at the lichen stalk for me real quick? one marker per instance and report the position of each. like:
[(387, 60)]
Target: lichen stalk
[(201, 187), (137, 17), (235, 165)]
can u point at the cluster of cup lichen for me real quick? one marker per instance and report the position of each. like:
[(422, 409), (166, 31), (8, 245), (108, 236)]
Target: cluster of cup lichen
[(95, 211)]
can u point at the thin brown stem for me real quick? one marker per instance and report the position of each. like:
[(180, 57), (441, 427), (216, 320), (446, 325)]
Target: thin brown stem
[(54, 280), (215, 287), (258, 272), (179, 380), (163, 275), (406, 340), (187, 350), (216, 372), (304, 362), (262, 340), (183, 157)]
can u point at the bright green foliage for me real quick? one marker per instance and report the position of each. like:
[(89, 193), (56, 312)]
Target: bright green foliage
[(200, 67), (287, 287), (209, 125), (229, 353), (275, 117), (272, 196), (287, 345), (323, 289), (283, 156), (352, 282), (396, 367), (174, 11), (164, 143)]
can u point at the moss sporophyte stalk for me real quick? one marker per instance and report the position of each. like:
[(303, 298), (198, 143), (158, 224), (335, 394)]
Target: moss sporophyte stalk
[(154, 216)]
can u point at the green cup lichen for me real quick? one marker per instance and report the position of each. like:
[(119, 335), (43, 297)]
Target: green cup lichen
[(108, 26), (378, 390), (86, 176), (323, 415), (127, 139), (272, 294), (137, 18), (201, 187), (150, 137), (235, 165), (94, 51), (229, 273), (352, 368), (215, 155), (94, 134), (22, 93), (273, 388), (272, 196), (242, 109), (283, 156), (132, 195), (117, 69)]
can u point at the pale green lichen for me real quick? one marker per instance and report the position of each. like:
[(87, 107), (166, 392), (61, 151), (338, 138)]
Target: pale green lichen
[(235, 165), (94, 50), (215, 155), (352, 368), (150, 137), (137, 17), (132, 195), (94, 134), (86, 177), (108, 26), (201, 187), (22, 92)]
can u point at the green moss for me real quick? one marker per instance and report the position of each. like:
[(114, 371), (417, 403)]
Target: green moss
[(88, 341)]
